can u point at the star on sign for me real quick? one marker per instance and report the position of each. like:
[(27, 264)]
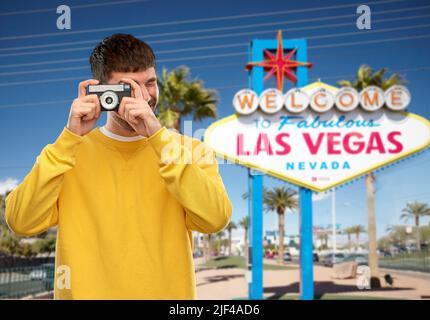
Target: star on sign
[(279, 65)]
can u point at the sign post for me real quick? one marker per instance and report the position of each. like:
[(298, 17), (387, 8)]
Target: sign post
[(255, 256), (306, 245), (256, 227), (256, 82)]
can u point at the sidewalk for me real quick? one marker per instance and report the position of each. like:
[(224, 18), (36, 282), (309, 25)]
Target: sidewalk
[(231, 284)]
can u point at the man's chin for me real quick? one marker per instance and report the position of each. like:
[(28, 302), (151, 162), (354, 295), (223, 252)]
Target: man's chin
[(121, 122)]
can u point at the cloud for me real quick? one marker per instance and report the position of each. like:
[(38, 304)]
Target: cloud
[(8, 184), (321, 196)]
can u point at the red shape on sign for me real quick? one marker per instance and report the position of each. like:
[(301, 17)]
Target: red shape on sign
[(279, 65)]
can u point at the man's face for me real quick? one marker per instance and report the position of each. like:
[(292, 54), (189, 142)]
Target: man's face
[(147, 80)]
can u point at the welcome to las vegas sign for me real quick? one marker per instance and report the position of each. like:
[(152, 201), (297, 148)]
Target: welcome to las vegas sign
[(319, 136)]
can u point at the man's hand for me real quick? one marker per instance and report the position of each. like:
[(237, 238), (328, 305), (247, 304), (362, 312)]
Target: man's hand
[(85, 110), (137, 112)]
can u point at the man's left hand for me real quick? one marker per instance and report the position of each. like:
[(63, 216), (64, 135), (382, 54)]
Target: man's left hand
[(137, 112)]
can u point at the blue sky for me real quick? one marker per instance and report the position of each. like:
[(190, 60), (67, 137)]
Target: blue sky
[(40, 67)]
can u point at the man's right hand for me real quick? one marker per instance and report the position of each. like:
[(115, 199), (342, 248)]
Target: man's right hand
[(85, 110)]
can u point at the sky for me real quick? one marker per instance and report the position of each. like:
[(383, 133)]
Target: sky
[(40, 67)]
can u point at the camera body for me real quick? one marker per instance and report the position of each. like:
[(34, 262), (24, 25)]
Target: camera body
[(110, 95)]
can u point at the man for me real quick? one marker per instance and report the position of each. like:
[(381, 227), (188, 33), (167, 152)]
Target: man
[(125, 196)]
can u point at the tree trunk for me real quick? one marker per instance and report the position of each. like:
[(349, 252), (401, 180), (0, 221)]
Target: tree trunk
[(219, 246), (371, 218), (246, 246), (177, 125), (205, 247), (357, 241), (229, 243), (281, 236), (349, 241), (210, 246), (417, 224)]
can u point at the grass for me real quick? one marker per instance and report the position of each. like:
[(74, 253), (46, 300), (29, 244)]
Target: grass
[(328, 296), (239, 262), (416, 261)]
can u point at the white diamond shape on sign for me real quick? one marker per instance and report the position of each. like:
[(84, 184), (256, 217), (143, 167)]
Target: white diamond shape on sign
[(318, 150)]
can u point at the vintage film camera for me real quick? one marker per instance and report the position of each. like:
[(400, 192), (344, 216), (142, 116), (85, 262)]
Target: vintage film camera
[(110, 95)]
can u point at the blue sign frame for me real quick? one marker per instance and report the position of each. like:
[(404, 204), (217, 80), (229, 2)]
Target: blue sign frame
[(255, 192)]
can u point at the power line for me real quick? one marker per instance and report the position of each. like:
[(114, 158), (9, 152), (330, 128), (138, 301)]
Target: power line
[(90, 5), (347, 44), (29, 104), (88, 48), (333, 35), (229, 35), (7, 106), (346, 76), (243, 44), (214, 36), (344, 44), (148, 36), (41, 63), (5, 84), (190, 21)]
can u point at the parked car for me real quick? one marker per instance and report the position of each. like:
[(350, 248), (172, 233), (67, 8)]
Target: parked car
[(385, 253), (329, 262), (287, 256), (360, 259), (45, 272), (38, 274)]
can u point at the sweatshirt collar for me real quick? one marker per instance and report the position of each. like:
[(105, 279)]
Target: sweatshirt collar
[(120, 145), (114, 136)]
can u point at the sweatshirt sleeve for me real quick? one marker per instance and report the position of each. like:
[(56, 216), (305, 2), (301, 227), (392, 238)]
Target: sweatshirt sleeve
[(32, 207), (190, 172)]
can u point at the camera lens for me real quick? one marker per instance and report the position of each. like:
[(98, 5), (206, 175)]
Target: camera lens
[(109, 100)]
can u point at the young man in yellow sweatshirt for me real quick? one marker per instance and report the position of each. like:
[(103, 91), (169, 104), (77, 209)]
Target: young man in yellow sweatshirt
[(125, 197)]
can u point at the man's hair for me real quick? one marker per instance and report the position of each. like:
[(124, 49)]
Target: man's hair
[(120, 53)]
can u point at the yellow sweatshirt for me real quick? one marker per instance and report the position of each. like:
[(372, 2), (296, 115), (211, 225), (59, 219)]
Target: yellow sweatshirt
[(125, 211)]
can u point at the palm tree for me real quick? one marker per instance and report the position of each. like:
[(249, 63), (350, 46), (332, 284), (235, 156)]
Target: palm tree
[(10, 244), (2, 209), (244, 223), (207, 246), (2, 219), (367, 77), (28, 251), (397, 234), (357, 230), (279, 200), (180, 96), (230, 228), (220, 235), (416, 210), (349, 231), (47, 245), (323, 237)]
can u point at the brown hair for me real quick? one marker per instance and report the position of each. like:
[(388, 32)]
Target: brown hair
[(120, 53)]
